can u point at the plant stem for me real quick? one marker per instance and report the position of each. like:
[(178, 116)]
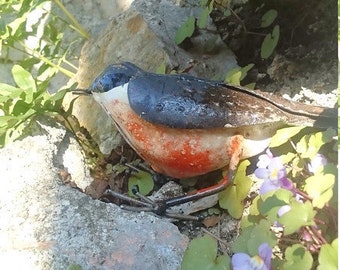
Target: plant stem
[(47, 61), (77, 26)]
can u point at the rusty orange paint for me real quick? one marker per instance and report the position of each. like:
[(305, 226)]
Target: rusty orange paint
[(184, 160), (179, 153)]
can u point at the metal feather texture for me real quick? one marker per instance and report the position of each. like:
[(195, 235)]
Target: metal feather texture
[(187, 102), (181, 101)]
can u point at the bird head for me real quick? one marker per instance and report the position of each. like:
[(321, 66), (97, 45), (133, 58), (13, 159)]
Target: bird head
[(113, 76)]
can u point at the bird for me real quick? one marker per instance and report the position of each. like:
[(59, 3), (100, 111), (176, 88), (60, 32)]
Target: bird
[(184, 126)]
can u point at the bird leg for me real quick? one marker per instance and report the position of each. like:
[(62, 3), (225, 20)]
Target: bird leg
[(161, 208)]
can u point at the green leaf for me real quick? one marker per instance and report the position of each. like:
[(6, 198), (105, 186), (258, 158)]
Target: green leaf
[(283, 135), (273, 201), (245, 69), (286, 158), (300, 214), (253, 236), (233, 196), (161, 69), (10, 91), (14, 26), (297, 257), (233, 76), (23, 78), (268, 18), (320, 188), (186, 30), (201, 255), (328, 257), (254, 216), (269, 43), (8, 121), (202, 20), (74, 267), (57, 98), (144, 182), (20, 108), (310, 144)]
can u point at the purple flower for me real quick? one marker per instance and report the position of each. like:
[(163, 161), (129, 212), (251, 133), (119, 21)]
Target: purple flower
[(317, 163), (283, 210), (273, 172), (242, 261)]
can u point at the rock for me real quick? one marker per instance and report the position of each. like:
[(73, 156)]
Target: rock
[(46, 224), (145, 35), (126, 36)]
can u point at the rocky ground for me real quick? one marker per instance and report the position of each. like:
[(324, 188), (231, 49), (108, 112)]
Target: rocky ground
[(48, 221)]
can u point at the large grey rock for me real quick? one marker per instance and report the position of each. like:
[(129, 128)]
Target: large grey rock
[(126, 38), (48, 225), (145, 35)]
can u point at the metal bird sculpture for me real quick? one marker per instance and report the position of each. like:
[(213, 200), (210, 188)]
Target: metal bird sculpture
[(184, 126)]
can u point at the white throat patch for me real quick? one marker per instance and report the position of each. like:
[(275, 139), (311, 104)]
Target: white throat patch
[(117, 93)]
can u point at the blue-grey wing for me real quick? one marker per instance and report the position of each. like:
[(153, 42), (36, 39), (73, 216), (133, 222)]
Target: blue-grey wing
[(182, 101)]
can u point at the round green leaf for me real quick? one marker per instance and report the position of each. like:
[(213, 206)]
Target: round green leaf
[(268, 18), (269, 43), (201, 255), (297, 257), (300, 214), (328, 257), (20, 107), (253, 236), (320, 188), (144, 182)]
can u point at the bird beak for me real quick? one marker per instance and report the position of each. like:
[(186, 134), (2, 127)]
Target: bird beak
[(82, 92)]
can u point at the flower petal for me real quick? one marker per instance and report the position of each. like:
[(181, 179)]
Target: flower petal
[(240, 261), (265, 252), (316, 163), (262, 173), (268, 185), (286, 184), (283, 210)]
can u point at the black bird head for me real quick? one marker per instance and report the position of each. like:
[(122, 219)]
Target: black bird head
[(113, 76)]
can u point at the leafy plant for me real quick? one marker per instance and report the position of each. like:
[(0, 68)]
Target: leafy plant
[(31, 38), (186, 30), (236, 75), (144, 182), (188, 27), (233, 196), (20, 104), (202, 254), (296, 208), (270, 41)]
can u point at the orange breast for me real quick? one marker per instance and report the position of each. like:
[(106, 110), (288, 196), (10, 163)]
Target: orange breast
[(179, 153)]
